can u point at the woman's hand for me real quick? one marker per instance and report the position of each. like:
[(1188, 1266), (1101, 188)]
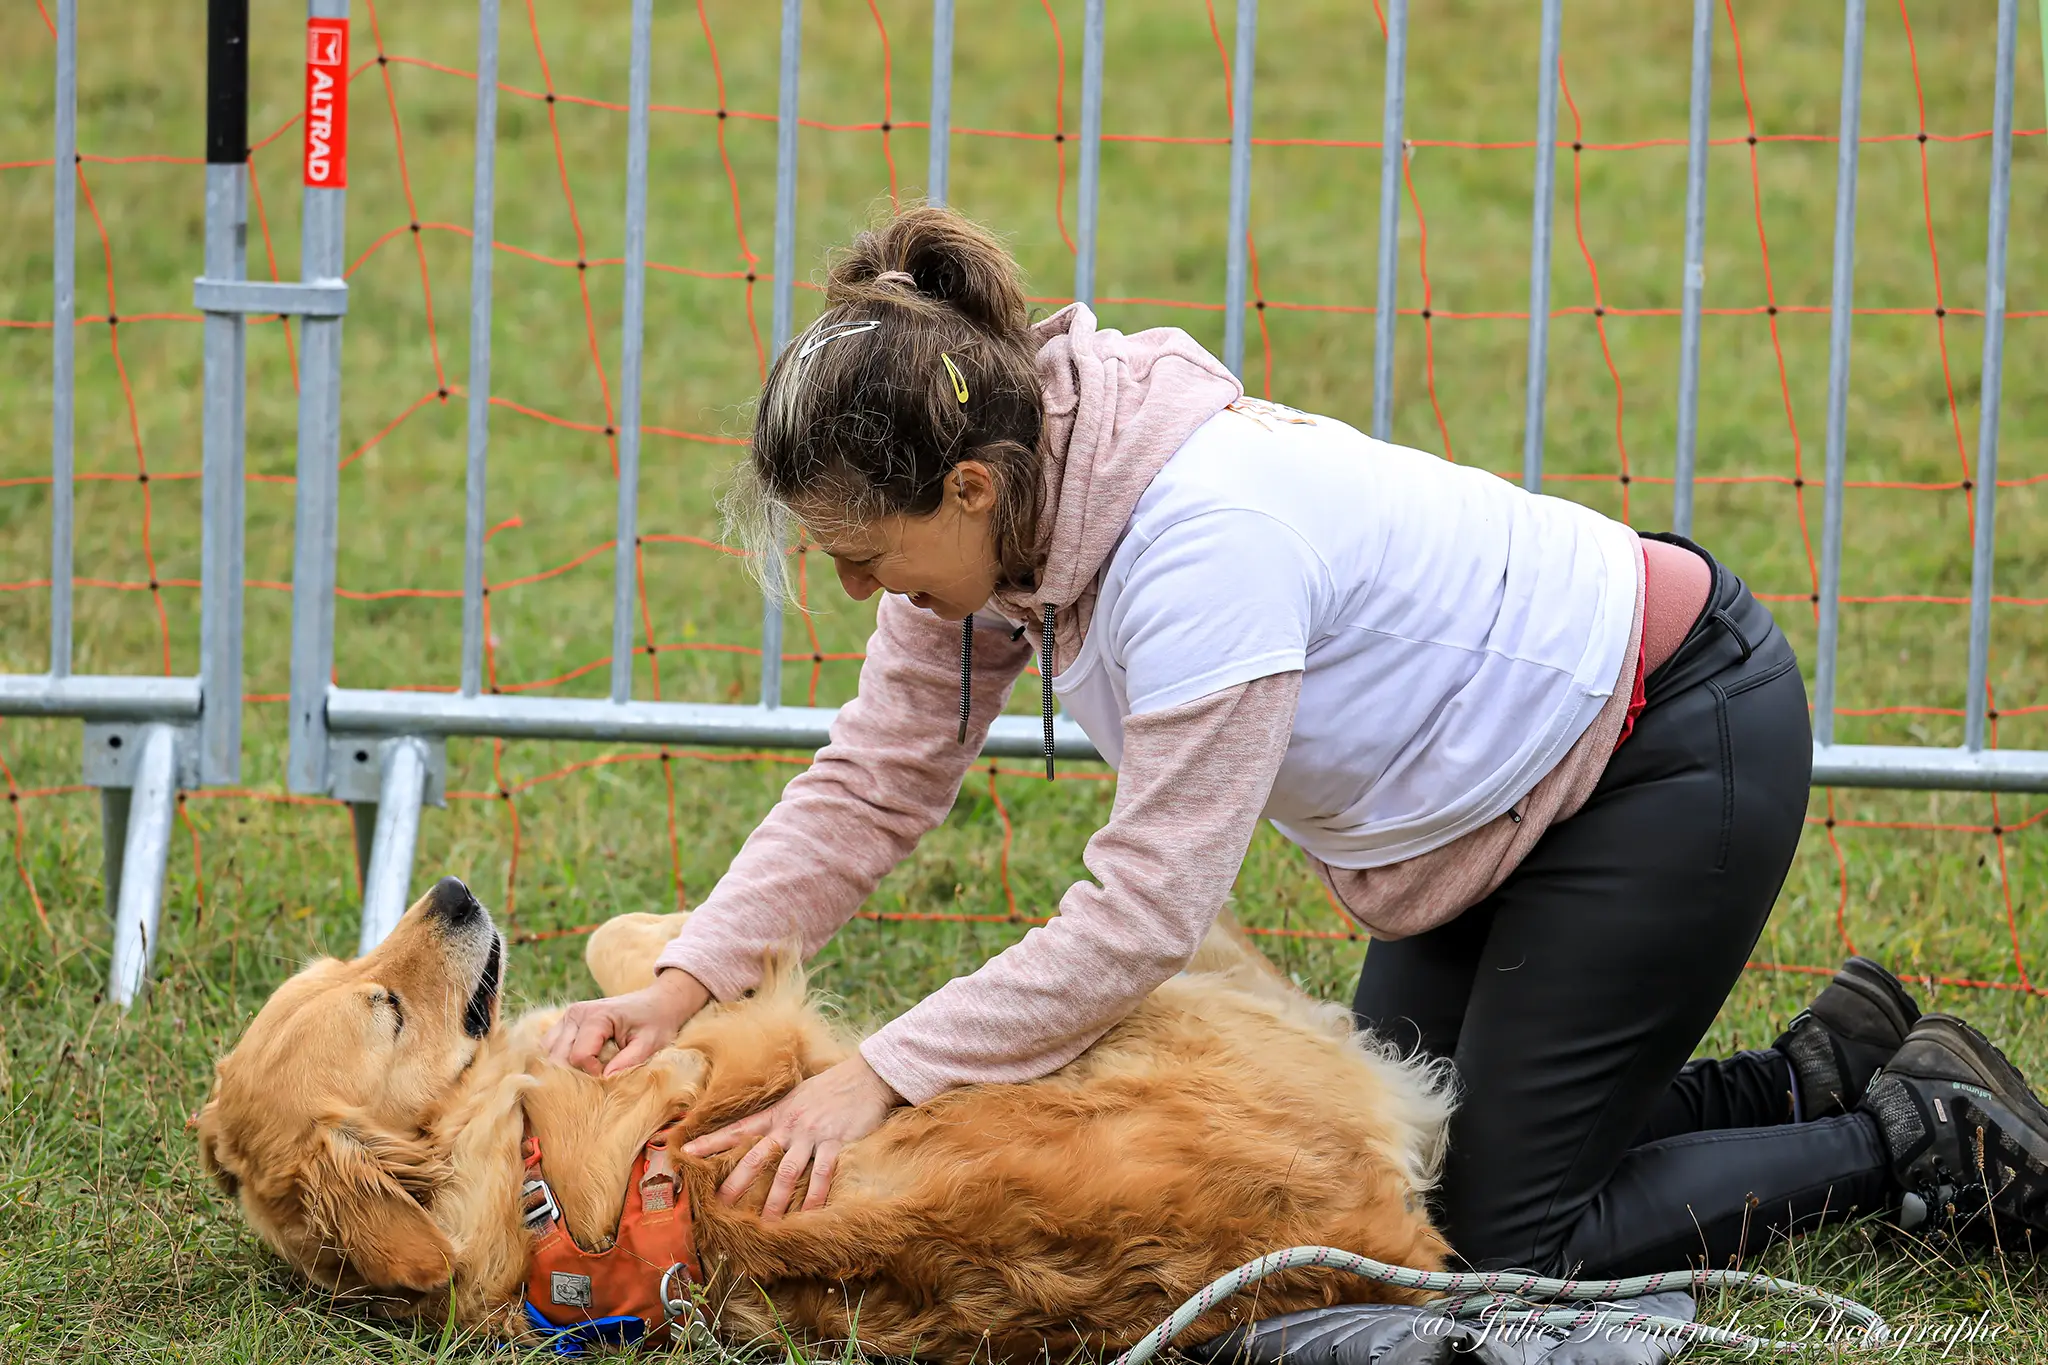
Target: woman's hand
[(809, 1126), (642, 1022)]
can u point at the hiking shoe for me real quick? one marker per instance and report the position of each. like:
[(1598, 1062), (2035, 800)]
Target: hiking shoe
[(1851, 1029), (1967, 1141)]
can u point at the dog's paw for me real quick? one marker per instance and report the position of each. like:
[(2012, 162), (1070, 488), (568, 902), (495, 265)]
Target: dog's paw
[(682, 1068), (621, 953)]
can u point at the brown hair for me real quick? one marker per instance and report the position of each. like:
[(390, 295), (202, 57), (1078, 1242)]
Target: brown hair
[(862, 417)]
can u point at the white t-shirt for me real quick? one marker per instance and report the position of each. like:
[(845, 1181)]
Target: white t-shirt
[(1455, 633)]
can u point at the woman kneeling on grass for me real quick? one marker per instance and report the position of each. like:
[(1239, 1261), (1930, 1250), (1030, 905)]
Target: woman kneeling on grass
[(1557, 770)]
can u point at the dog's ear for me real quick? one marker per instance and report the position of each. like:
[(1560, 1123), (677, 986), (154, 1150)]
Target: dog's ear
[(361, 1191), (214, 1157)]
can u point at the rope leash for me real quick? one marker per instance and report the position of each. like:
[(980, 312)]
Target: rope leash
[(1487, 1293)]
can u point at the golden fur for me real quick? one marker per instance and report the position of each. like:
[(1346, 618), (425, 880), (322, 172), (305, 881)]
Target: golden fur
[(1228, 1116)]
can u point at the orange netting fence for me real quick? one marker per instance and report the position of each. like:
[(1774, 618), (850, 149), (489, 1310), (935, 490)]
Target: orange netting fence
[(1304, 302)]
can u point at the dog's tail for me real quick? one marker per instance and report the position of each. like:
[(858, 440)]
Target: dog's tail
[(1421, 1091), (1227, 949), (783, 978), (1421, 1095)]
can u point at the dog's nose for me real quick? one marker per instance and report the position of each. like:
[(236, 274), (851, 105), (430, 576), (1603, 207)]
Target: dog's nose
[(452, 904)]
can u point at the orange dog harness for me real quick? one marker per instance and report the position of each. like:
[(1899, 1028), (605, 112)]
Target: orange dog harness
[(635, 1290)]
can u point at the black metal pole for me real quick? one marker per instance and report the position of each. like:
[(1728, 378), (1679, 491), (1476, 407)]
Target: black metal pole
[(222, 438), (227, 82)]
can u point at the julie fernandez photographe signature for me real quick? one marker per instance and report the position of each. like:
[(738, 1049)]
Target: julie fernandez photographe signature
[(1930, 1337)]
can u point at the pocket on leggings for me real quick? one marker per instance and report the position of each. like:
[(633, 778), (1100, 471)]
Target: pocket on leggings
[(1724, 744), (1768, 758), (1771, 674)]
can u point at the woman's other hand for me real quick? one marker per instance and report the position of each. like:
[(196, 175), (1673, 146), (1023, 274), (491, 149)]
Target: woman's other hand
[(809, 1126), (641, 1022)]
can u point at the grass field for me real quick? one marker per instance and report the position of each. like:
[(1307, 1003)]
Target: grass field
[(112, 1247)]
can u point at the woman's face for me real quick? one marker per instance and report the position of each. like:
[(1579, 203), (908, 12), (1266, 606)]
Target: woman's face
[(944, 562)]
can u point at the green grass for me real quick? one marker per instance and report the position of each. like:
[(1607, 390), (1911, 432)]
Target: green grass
[(111, 1245)]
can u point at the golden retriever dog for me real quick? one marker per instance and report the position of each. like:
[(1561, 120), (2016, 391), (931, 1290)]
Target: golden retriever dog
[(370, 1123)]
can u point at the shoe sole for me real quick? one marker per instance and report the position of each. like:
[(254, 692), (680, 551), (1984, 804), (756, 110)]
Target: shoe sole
[(1990, 1071), (1881, 989)]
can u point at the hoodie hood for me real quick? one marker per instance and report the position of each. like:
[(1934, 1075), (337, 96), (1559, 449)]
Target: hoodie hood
[(1117, 407)]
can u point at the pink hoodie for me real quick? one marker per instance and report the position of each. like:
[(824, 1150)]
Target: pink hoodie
[(1116, 408), (1190, 790)]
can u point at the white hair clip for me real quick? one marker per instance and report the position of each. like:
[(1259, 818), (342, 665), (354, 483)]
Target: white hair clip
[(833, 333)]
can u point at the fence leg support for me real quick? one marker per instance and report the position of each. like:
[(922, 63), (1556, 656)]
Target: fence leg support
[(389, 873), (363, 815), (151, 804), (113, 841)]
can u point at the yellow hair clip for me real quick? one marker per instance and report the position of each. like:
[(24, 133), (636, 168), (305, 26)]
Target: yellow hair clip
[(959, 380)]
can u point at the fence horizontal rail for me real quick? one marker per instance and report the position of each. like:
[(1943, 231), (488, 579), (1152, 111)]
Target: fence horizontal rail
[(89, 697), (1917, 767), (356, 711)]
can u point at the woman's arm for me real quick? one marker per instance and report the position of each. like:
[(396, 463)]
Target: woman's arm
[(889, 774), (1194, 779)]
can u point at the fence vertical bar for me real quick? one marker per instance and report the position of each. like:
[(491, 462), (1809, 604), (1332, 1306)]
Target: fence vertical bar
[(63, 321), (145, 850), (631, 331), (1393, 153), (1085, 206), (785, 173), (773, 569), (1695, 265), (1976, 706), (1240, 185), (225, 341), (942, 100), (1840, 326), (482, 248), (323, 221), (1539, 250)]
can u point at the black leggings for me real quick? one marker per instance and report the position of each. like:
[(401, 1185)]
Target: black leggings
[(1570, 998)]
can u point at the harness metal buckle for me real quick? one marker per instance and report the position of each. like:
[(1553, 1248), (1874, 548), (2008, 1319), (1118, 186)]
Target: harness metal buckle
[(683, 1312), (544, 1212)]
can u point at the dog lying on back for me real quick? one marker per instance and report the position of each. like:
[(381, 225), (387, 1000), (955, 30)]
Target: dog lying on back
[(370, 1124)]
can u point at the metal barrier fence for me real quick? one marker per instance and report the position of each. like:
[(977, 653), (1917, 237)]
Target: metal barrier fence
[(146, 738), (382, 751)]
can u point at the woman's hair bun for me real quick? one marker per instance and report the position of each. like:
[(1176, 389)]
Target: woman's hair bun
[(950, 259), (922, 359)]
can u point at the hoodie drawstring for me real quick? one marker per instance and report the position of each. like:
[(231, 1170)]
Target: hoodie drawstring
[(1044, 679), (966, 673), (1045, 688)]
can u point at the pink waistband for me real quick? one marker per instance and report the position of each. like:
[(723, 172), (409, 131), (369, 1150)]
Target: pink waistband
[(1675, 586)]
